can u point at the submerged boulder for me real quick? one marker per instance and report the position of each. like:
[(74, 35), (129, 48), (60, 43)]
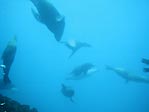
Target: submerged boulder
[(9, 105)]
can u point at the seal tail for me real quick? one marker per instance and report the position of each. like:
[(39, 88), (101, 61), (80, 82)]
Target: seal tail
[(72, 100)]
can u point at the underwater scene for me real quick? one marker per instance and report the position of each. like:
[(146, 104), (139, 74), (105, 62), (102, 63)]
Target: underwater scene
[(74, 56)]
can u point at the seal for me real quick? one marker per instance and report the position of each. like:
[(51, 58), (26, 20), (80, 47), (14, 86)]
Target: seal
[(49, 16)]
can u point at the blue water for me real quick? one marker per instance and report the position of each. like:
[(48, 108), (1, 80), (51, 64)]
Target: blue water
[(118, 30)]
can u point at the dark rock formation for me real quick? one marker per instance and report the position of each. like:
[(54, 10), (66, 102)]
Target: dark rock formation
[(9, 105)]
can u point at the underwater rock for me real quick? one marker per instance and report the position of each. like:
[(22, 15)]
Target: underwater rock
[(9, 105)]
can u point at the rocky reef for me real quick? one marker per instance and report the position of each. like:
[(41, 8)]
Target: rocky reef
[(9, 105)]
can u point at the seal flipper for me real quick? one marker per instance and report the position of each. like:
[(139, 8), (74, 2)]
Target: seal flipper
[(71, 100), (36, 15), (6, 79), (73, 52), (63, 86)]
